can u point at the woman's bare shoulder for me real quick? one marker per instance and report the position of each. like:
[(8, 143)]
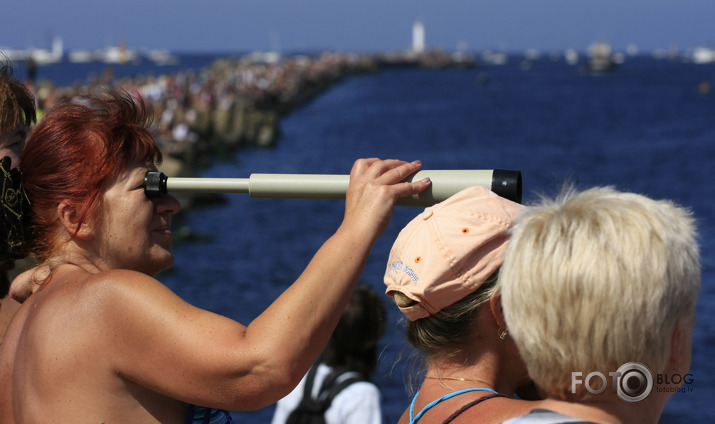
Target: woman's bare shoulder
[(496, 410), (121, 288), (117, 280)]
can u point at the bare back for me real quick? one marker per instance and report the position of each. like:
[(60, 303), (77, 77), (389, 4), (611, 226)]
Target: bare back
[(8, 307), (56, 362)]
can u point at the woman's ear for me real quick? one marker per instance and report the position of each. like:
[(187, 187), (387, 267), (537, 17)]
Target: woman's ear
[(69, 218), (497, 310), (679, 342)]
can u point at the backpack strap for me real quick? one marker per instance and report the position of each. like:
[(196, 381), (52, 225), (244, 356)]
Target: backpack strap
[(309, 380), (308, 407), (328, 383), (329, 392)]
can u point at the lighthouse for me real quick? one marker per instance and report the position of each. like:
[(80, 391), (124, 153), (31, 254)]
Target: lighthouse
[(418, 37)]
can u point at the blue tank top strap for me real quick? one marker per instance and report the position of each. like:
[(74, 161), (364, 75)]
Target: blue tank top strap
[(445, 397)]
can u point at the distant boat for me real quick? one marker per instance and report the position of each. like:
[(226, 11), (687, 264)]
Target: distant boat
[(268, 57), (117, 55), (161, 57), (14, 55), (45, 57), (490, 57), (601, 58), (571, 56), (120, 55), (703, 55), (38, 56), (80, 56)]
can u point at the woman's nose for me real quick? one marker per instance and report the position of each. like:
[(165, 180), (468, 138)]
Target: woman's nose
[(167, 204)]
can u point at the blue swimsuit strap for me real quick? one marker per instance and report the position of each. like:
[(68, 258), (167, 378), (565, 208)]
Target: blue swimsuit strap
[(201, 415), (435, 402)]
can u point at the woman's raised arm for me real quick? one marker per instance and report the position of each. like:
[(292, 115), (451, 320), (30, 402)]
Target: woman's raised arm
[(215, 359)]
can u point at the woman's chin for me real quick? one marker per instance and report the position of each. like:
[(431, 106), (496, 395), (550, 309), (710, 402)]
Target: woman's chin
[(160, 262)]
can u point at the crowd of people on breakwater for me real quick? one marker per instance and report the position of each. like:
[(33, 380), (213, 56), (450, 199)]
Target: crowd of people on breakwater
[(236, 100), (198, 112)]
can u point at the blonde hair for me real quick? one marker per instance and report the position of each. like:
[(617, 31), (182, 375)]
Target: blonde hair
[(445, 333), (595, 279)]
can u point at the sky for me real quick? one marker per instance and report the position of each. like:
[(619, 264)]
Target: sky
[(361, 26)]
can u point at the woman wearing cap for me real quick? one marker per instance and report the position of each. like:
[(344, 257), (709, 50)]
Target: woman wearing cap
[(102, 340), (442, 274), (599, 290)]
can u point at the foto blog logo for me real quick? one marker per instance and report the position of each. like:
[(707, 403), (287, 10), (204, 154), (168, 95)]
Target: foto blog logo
[(632, 382)]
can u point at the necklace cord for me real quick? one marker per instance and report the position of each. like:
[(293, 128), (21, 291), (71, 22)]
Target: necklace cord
[(474, 380)]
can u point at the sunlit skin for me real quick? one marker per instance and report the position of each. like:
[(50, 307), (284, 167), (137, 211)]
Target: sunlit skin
[(103, 341)]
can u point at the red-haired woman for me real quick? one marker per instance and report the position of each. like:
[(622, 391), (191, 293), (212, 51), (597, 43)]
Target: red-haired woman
[(102, 340)]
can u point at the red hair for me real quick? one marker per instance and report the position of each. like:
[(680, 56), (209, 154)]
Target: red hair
[(79, 148)]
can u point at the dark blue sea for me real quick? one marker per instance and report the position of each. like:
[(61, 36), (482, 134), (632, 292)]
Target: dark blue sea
[(645, 128)]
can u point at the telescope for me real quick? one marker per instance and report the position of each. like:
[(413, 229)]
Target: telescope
[(444, 184)]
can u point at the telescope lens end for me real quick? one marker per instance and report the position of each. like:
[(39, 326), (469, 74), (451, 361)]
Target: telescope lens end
[(155, 184), (507, 184)]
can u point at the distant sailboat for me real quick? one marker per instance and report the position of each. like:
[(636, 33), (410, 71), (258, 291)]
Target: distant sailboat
[(600, 58)]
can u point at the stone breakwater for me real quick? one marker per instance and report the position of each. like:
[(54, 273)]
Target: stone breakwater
[(199, 114)]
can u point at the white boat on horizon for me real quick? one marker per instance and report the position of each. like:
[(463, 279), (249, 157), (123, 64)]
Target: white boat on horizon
[(601, 58), (117, 55), (80, 56), (160, 57), (702, 55), (37, 55)]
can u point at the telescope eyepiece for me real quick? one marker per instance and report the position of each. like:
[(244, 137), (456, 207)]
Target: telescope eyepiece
[(507, 184), (155, 184)]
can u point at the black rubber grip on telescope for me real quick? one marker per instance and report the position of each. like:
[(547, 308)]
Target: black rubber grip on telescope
[(507, 184), (155, 184)]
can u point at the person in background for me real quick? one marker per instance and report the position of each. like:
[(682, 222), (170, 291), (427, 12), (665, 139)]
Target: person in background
[(351, 353), (101, 340), (602, 281), (443, 274), (17, 114)]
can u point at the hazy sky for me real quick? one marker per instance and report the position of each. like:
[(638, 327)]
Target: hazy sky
[(364, 26)]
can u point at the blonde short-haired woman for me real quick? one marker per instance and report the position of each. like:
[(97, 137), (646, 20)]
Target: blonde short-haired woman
[(599, 290)]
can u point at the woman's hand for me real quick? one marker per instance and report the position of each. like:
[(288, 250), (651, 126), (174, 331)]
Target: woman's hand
[(375, 186), (27, 282)]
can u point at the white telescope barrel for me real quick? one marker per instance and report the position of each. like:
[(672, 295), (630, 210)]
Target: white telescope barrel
[(207, 185), (445, 183)]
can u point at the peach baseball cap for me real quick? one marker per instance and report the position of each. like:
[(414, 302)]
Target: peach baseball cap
[(449, 250)]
